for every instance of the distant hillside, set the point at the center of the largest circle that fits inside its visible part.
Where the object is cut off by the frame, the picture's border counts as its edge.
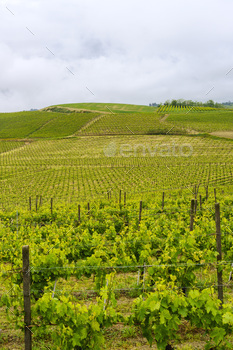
(109, 107)
(72, 120)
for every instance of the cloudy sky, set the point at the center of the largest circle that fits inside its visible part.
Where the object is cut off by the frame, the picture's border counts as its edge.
(129, 51)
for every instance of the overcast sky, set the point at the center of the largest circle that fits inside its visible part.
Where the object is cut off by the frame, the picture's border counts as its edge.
(129, 51)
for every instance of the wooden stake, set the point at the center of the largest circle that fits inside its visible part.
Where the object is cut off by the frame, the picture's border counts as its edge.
(27, 299)
(124, 198)
(200, 203)
(215, 196)
(219, 250)
(192, 214)
(30, 203)
(163, 200)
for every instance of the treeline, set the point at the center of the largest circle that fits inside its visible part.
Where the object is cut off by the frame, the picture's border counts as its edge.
(229, 103)
(187, 103)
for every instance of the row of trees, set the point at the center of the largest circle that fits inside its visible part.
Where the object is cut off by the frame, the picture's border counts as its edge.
(184, 103)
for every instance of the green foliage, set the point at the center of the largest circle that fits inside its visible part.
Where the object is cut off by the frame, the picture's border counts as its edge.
(160, 315)
(77, 326)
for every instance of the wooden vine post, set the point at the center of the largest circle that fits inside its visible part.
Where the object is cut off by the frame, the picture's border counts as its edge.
(219, 250)
(192, 214)
(163, 200)
(27, 298)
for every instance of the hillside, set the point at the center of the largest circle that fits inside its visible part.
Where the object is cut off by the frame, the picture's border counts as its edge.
(113, 119)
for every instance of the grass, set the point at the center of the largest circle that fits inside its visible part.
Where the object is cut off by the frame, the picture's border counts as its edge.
(108, 107)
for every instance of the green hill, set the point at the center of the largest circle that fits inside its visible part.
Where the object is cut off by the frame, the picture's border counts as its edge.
(113, 119)
(109, 107)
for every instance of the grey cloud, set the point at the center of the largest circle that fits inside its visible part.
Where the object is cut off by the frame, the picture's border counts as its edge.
(124, 51)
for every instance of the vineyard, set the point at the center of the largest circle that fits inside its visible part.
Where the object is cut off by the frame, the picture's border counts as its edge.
(81, 168)
(116, 229)
(124, 268)
(186, 109)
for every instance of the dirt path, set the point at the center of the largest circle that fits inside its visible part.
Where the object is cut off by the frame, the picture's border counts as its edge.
(226, 134)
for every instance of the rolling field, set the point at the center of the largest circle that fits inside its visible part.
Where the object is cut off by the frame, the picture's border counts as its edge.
(118, 260)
